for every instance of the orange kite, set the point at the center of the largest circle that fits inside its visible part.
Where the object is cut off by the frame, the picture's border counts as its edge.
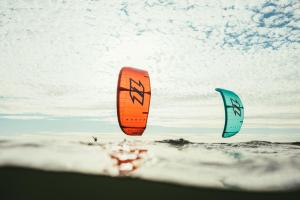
(133, 100)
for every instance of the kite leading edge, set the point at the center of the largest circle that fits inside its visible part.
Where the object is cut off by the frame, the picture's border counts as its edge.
(133, 100)
(234, 112)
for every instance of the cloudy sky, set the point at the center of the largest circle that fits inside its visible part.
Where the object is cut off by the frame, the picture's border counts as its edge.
(60, 59)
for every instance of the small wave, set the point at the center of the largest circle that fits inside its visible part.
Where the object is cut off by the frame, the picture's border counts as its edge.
(178, 143)
(3, 141)
(291, 143)
(250, 144)
(32, 145)
(257, 144)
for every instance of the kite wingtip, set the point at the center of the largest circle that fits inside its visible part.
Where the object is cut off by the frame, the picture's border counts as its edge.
(219, 89)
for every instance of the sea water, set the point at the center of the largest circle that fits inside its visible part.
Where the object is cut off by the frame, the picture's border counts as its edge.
(242, 162)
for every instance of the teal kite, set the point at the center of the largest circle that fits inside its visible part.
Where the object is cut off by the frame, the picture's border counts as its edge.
(234, 112)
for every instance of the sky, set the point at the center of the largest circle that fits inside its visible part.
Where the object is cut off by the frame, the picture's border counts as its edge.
(60, 59)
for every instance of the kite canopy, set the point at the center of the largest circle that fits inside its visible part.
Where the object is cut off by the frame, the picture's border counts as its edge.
(234, 112)
(133, 100)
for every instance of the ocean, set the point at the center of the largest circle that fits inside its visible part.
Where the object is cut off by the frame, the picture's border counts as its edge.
(255, 162)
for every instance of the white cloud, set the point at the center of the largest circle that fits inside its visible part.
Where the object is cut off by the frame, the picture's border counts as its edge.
(64, 58)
